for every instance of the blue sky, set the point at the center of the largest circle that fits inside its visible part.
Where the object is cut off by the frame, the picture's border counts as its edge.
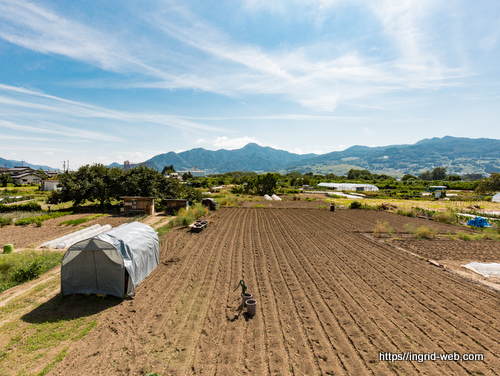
(108, 81)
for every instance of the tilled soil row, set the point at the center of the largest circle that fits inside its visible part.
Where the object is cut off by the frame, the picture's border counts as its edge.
(330, 300)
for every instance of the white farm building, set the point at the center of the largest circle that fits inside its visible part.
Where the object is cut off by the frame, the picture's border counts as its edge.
(350, 187)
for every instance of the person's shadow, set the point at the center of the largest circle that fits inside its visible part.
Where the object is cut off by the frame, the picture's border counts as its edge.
(238, 313)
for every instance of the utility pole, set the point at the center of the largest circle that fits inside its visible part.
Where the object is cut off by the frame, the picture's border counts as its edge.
(64, 166)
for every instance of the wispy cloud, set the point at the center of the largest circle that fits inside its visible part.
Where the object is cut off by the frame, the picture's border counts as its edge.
(55, 129)
(35, 100)
(224, 65)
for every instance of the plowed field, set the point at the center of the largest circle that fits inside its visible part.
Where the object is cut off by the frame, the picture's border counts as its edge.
(330, 299)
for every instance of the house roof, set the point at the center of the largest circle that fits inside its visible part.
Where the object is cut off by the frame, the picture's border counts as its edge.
(24, 175)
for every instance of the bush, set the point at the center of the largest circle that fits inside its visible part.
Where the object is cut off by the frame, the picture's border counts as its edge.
(423, 233)
(407, 212)
(19, 267)
(5, 221)
(30, 270)
(382, 228)
(355, 205)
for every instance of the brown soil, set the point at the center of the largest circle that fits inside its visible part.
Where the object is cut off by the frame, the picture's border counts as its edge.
(31, 236)
(330, 299)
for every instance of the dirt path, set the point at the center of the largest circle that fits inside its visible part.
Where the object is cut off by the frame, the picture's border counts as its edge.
(330, 300)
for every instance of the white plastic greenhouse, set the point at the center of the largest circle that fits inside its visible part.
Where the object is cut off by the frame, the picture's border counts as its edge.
(350, 187)
(112, 263)
(496, 198)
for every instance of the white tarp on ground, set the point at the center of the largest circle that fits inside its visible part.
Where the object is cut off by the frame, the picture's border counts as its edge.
(268, 198)
(277, 198)
(496, 198)
(487, 270)
(112, 263)
(350, 187)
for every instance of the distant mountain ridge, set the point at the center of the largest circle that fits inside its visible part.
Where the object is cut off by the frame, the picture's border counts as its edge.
(251, 157)
(458, 155)
(11, 163)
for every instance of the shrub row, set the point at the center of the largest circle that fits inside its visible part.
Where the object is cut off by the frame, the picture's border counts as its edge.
(40, 218)
(30, 206)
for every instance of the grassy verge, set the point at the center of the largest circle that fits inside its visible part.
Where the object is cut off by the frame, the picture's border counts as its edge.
(184, 218)
(226, 199)
(79, 221)
(16, 268)
(40, 218)
(36, 336)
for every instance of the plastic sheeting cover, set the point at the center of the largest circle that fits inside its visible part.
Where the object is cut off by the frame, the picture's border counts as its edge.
(97, 264)
(496, 198)
(478, 222)
(268, 198)
(487, 270)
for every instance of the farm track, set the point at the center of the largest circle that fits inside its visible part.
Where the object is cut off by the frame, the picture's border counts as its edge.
(329, 300)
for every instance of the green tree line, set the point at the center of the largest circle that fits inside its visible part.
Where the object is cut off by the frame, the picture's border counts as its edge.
(103, 184)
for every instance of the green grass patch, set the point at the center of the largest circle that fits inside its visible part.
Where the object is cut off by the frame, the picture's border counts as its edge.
(40, 218)
(54, 324)
(79, 221)
(226, 199)
(464, 236)
(259, 206)
(16, 268)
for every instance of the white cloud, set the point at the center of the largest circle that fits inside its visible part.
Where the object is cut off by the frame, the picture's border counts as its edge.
(49, 153)
(137, 156)
(201, 141)
(234, 143)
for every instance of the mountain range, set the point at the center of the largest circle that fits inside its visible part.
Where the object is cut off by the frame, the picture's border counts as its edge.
(458, 155)
(9, 163)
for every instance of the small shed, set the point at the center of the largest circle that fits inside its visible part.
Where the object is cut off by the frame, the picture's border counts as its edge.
(138, 205)
(210, 203)
(112, 263)
(176, 204)
(50, 185)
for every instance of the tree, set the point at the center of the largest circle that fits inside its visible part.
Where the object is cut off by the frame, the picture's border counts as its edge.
(142, 181)
(491, 184)
(453, 178)
(409, 177)
(354, 174)
(168, 169)
(42, 174)
(187, 175)
(263, 184)
(89, 183)
(5, 179)
(439, 173)
(426, 175)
